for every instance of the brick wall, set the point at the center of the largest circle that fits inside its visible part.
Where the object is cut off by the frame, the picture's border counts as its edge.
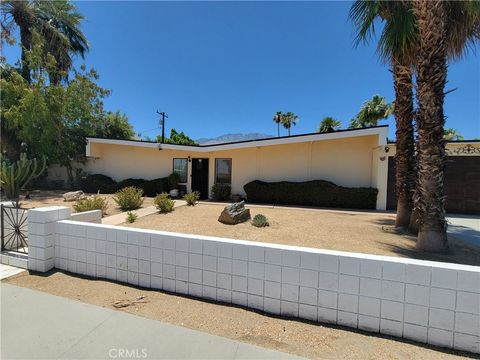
(429, 302)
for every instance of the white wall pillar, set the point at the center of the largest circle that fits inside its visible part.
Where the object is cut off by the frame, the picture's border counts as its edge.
(41, 236)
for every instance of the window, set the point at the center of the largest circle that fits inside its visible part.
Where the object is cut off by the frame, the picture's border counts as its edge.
(180, 168)
(223, 171)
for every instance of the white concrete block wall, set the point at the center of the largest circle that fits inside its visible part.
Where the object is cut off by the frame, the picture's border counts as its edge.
(94, 216)
(429, 302)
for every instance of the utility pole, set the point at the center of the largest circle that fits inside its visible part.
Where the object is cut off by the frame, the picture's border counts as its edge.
(162, 123)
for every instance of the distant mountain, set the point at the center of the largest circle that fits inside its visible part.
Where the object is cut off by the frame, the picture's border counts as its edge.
(232, 138)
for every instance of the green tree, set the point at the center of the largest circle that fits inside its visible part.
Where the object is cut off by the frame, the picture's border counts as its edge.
(374, 110)
(57, 21)
(329, 124)
(277, 119)
(289, 119)
(452, 135)
(116, 126)
(178, 138)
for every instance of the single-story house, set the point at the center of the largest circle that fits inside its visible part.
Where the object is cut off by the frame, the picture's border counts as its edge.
(350, 158)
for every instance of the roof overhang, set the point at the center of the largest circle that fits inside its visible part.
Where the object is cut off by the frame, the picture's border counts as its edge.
(381, 131)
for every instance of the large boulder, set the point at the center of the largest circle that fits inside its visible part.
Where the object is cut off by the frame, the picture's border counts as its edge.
(73, 195)
(234, 214)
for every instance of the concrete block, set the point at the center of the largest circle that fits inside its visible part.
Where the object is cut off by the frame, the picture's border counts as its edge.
(195, 261)
(371, 268)
(195, 276)
(271, 306)
(417, 294)
(209, 263)
(291, 258)
(92, 258)
(255, 286)
(224, 295)
(468, 302)
(195, 246)
(224, 265)
(111, 248)
(210, 248)
(181, 287)
(444, 278)
(273, 256)
(418, 274)
(468, 281)
(308, 312)
(101, 271)
(224, 281)
(442, 298)
(143, 280)
(290, 292)
(347, 319)
(415, 332)
(144, 253)
(111, 261)
(209, 292)
(168, 244)
(156, 282)
(369, 306)
(392, 310)
(255, 302)
(169, 285)
(132, 251)
(239, 298)
(81, 243)
(156, 255)
(272, 289)
(122, 276)
(101, 246)
(273, 272)
(289, 308)
(392, 290)
(327, 299)
(349, 265)
(195, 290)
(225, 251)
(329, 263)
(310, 261)
(181, 244)
(308, 296)
(416, 314)
(466, 342)
(72, 267)
(181, 258)
(441, 319)
(326, 315)
(393, 271)
(439, 337)
(111, 274)
(348, 303)
(290, 275)
(309, 278)
(122, 263)
(181, 273)
(328, 281)
(121, 236)
(168, 272)
(239, 284)
(209, 278)
(240, 252)
(133, 278)
(390, 327)
(467, 323)
(369, 323)
(348, 284)
(370, 287)
(256, 270)
(168, 257)
(101, 258)
(256, 253)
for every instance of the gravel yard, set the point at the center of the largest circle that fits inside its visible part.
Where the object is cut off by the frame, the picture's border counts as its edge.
(326, 229)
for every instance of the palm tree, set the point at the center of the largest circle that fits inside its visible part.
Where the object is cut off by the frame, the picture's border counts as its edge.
(288, 120)
(277, 118)
(396, 46)
(329, 124)
(374, 110)
(452, 135)
(57, 22)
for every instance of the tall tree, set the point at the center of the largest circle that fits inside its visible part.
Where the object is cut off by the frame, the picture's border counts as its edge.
(277, 119)
(116, 126)
(289, 120)
(57, 21)
(329, 124)
(374, 110)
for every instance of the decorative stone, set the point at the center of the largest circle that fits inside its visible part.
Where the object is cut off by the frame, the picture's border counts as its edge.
(73, 195)
(234, 214)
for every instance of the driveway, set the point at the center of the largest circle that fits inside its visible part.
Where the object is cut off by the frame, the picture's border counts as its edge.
(465, 227)
(37, 325)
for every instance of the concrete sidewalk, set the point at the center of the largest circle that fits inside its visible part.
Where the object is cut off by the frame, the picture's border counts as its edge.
(465, 228)
(37, 325)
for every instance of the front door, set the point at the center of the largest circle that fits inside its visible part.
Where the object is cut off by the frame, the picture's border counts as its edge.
(200, 177)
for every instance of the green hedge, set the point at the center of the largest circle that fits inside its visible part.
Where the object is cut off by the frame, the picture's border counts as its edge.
(106, 185)
(311, 193)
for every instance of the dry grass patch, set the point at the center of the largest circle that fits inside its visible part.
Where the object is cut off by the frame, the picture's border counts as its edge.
(325, 229)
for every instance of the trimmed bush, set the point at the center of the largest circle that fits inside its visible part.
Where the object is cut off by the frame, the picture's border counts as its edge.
(311, 193)
(260, 220)
(98, 183)
(152, 188)
(221, 192)
(164, 203)
(192, 198)
(138, 183)
(129, 198)
(91, 203)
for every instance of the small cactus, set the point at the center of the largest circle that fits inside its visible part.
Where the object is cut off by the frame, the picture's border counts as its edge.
(260, 220)
(15, 176)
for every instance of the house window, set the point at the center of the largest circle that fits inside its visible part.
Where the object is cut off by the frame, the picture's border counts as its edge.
(180, 167)
(223, 171)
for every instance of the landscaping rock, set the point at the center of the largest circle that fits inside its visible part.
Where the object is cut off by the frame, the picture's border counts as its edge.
(73, 195)
(234, 214)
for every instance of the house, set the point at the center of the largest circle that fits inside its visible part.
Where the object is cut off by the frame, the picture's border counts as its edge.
(351, 158)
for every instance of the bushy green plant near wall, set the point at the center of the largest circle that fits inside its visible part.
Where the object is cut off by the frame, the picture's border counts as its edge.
(311, 193)
(192, 198)
(221, 192)
(98, 183)
(106, 185)
(163, 203)
(91, 203)
(129, 198)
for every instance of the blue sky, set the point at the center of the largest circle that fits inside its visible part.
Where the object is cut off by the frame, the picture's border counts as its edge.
(227, 67)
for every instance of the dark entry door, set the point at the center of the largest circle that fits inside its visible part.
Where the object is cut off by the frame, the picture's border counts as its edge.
(200, 177)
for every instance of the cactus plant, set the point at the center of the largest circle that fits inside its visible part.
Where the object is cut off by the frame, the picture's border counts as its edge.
(15, 176)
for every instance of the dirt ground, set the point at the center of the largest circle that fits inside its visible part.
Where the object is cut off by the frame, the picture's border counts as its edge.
(54, 197)
(326, 229)
(308, 339)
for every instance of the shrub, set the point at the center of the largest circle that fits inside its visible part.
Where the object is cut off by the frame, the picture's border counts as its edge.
(98, 183)
(260, 220)
(154, 187)
(138, 183)
(221, 192)
(312, 193)
(164, 203)
(192, 198)
(131, 217)
(129, 198)
(173, 180)
(91, 203)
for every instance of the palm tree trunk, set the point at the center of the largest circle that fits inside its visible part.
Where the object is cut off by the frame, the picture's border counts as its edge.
(278, 129)
(431, 78)
(24, 19)
(404, 158)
